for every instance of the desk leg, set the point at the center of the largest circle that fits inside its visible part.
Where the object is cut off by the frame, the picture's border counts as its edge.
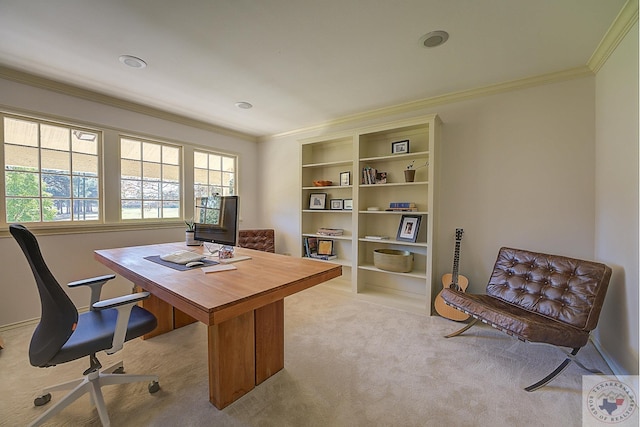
(162, 311)
(269, 340)
(231, 359)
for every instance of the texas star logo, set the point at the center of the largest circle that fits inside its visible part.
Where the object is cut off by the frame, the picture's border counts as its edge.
(611, 401)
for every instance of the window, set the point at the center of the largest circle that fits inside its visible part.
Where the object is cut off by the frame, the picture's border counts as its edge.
(55, 176)
(51, 171)
(149, 179)
(213, 174)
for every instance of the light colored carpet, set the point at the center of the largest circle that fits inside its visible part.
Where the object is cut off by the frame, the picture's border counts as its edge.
(347, 363)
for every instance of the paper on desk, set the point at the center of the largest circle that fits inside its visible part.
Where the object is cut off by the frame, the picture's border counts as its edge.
(218, 267)
(234, 259)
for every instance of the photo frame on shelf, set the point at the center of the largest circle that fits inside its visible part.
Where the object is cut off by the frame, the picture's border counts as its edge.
(347, 204)
(325, 247)
(336, 204)
(345, 178)
(400, 147)
(409, 227)
(317, 200)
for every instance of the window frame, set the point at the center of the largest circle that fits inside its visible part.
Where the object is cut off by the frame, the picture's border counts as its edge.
(71, 127)
(181, 184)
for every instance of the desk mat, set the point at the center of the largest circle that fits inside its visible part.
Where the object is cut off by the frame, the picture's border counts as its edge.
(179, 267)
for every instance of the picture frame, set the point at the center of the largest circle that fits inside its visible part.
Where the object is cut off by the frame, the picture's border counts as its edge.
(325, 247)
(345, 178)
(409, 227)
(336, 204)
(317, 201)
(381, 177)
(400, 147)
(347, 204)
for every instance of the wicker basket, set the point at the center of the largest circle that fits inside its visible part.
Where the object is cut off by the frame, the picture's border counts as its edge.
(393, 260)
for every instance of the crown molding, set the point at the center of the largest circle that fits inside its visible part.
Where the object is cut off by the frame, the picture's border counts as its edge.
(494, 89)
(55, 86)
(625, 20)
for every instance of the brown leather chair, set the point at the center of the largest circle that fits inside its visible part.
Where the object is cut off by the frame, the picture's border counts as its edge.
(539, 298)
(262, 239)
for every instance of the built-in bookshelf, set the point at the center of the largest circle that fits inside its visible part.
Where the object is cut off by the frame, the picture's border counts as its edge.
(375, 159)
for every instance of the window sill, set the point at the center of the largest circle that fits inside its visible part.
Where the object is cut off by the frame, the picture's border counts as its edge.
(49, 230)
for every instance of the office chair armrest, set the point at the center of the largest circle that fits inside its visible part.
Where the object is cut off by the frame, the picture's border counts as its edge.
(124, 305)
(95, 283)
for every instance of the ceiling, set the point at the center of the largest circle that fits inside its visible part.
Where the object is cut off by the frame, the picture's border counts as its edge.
(300, 63)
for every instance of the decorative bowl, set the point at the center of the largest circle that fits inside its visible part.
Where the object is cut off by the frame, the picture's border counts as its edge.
(322, 183)
(393, 260)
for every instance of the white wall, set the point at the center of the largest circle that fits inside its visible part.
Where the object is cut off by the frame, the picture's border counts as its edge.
(518, 169)
(616, 224)
(70, 257)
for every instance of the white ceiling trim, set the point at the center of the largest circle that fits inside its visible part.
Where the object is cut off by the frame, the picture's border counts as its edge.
(625, 20)
(559, 76)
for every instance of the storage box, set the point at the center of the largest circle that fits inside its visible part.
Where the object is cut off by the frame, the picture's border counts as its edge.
(393, 260)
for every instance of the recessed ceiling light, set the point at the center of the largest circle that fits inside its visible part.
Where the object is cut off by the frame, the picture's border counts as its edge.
(434, 38)
(132, 61)
(244, 105)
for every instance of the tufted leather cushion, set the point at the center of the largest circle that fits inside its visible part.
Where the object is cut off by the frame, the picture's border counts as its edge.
(262, 240)
(539, 297)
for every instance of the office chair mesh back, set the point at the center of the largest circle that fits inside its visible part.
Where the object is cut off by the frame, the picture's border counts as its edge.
(59, 315)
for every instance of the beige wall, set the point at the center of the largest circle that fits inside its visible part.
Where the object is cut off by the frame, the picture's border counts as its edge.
(518, 169)
(616, 227)
(19, 301)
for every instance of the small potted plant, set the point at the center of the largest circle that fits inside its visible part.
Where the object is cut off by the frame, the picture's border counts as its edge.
(410, 172)
(190, 232)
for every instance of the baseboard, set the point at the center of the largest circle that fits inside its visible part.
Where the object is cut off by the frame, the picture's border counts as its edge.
(20, 324)
(30, 322)
(610, 361)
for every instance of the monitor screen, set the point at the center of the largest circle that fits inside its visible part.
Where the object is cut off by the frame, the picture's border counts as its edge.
(217, 220)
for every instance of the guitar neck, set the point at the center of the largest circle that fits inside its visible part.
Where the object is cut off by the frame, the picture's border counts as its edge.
(456, 263)
(456, 259)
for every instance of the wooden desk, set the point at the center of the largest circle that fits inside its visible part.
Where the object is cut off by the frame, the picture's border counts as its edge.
(243, 308)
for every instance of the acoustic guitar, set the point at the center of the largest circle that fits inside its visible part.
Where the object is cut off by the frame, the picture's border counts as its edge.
(455, 281)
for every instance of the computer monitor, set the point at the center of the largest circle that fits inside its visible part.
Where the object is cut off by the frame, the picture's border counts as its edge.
(217, 220)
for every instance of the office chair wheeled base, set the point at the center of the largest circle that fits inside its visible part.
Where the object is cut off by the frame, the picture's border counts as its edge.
(91, 383)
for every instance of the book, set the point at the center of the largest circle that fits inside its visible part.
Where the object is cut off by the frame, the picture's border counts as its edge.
(401, 209)
(377, 237)
(368, 175)
(402, 205)
(310, 245)
(323, 257)
(330, 231)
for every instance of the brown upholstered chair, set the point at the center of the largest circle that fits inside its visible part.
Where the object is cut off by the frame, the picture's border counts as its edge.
(539, 298)
(262, 240)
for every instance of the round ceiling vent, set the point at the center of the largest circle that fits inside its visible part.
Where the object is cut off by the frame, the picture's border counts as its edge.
(132, 61)
(434, 38)
(244, 105)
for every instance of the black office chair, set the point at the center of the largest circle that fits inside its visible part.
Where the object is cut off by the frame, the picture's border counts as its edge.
(62, 335)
